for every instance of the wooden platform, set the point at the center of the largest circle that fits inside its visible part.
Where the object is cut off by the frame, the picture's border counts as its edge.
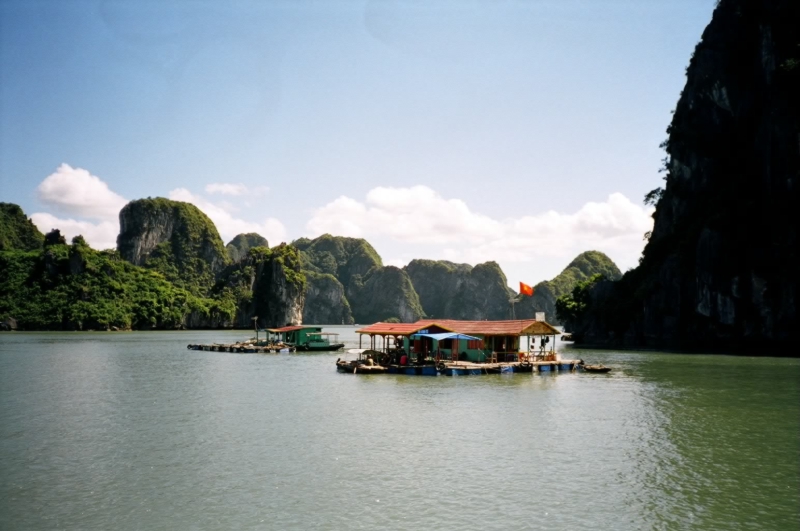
(464, 368)
(242, 347)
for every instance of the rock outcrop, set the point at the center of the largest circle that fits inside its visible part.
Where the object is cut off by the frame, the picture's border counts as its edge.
(386, 293)
(173, 238)
(73, 287)
(484, 294)
(720, 268)
(437, 282)
(17, 232)
(267, 284)
(547, 292)
(326, 302)
(339, 256)
(460, 291)
(237, 248)
(372, 292)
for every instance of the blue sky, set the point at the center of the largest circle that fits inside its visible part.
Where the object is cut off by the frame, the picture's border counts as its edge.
(519, 131)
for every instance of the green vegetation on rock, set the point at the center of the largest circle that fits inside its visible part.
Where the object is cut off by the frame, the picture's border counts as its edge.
(73, 287)
(585, 265)
(170, 272)
(339, 256)
(173, 238)
(484, 294)
(574, 305)
(268, 284)
(325, 300)
(237, 248)
(385, 293)
(437, 282)
(17, 232)
(460, 291)
(545, 294)
(371, 292)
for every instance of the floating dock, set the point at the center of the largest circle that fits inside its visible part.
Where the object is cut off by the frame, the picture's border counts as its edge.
(466, 368)
(242, 347)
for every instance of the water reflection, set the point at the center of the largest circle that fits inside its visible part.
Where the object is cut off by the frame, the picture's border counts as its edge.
(132, 431)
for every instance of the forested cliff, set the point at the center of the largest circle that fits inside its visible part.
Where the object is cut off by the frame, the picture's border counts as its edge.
(171, 271)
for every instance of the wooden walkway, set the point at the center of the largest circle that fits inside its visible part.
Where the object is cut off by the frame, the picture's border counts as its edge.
(242, 347)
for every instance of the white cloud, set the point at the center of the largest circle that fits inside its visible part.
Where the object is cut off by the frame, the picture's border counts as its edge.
(227, 225)
(236, 189)
(76, 192)
(414, 215)
(101, 235)
(419, 215)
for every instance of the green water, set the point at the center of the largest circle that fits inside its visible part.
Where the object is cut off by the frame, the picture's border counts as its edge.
(133, 431)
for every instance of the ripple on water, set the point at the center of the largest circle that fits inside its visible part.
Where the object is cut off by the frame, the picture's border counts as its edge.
(132, 431)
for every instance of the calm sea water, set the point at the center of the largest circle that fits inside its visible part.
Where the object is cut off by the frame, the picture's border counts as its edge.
(133, 431)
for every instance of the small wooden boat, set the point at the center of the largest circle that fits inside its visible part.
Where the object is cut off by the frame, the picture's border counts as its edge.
(357, 367)
(595, 368)
(364, 364)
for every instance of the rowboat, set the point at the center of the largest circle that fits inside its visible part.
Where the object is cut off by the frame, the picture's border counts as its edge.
(595, 368)
(363, 364)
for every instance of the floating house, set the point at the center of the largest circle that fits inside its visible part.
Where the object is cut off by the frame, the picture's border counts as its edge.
(292, 335)
(305, 337)
(471, 341)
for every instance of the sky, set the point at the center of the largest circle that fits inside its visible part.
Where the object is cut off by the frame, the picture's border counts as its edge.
(523, 132)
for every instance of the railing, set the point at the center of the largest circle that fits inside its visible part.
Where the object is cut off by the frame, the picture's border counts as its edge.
(503, 357)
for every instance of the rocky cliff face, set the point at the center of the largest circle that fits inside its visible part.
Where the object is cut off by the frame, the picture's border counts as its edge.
(237, 248)
(720, 269)
(386, 293)
(437, 282)
(17, 232)
(460, 291)
(267, 284)
(484, 294)
(545, 293)
(174, 238)
(326, 302)
(339, 256)
(373, 292)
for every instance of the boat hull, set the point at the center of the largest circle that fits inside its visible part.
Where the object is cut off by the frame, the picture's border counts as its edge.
(359, 368)
(413, 370)
(320, 348)
(596, 368)
(468, 369)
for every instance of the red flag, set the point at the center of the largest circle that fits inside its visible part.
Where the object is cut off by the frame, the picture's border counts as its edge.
(525, 289)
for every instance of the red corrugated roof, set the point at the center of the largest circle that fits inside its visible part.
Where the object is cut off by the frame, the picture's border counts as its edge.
(389, 329)
(399, 329)
(489, 328)
(290, 328)
(486, 328)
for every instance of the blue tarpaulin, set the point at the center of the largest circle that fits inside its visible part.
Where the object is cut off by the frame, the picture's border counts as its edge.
(446, 335)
